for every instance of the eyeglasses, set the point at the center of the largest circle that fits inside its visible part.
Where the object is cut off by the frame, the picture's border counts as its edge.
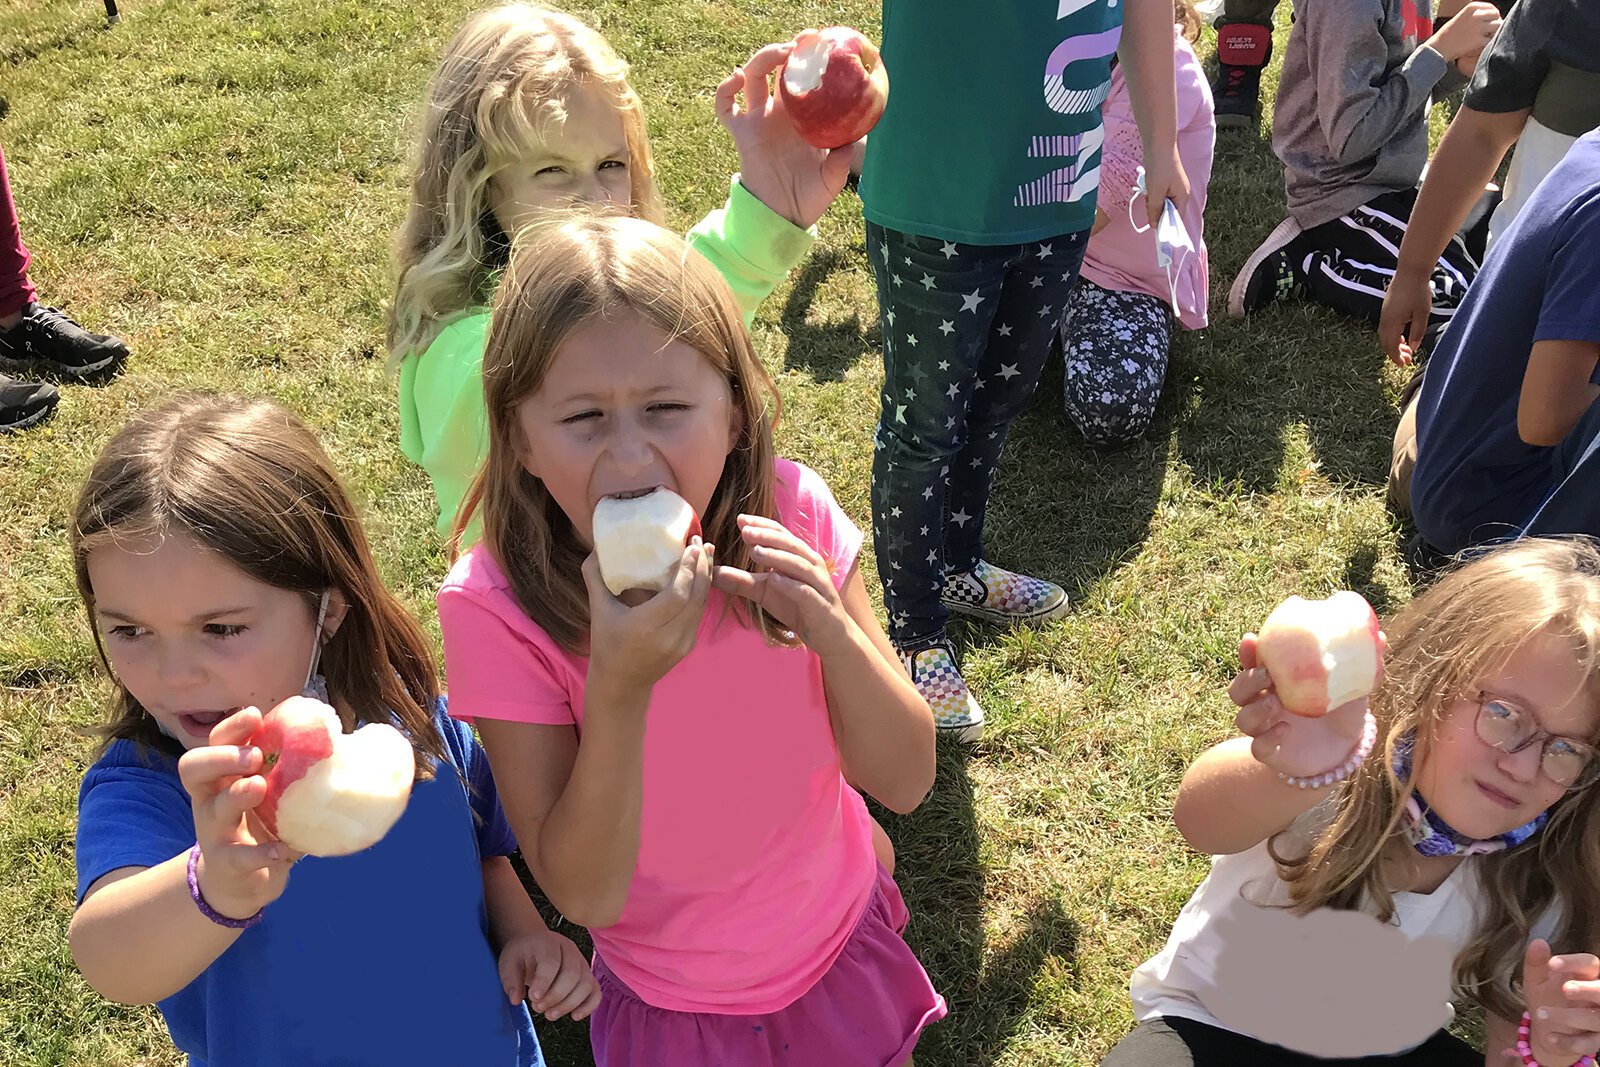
(1568, 763)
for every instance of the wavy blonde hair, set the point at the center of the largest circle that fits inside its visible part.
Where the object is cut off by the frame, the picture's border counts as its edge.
(564, 275)
(1442, 647)
(248, 480)
(502, 79)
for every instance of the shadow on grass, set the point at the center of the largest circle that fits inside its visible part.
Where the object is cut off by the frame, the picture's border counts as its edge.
(826, 351)
(941, 876)
(1254, 381)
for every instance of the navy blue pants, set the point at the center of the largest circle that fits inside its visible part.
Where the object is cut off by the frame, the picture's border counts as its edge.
(966, 331)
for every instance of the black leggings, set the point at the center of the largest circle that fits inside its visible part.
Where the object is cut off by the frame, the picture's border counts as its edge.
(1171, 1041)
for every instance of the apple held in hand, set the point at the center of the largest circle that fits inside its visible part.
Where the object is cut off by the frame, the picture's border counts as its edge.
(1320, 653)
(330, 793)
(639, 539)
(834, 86)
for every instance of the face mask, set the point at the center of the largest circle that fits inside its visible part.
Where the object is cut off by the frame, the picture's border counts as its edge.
(1172, 239)
(315, 687)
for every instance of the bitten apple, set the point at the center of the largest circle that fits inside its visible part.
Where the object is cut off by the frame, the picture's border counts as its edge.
(330, 793)
(1320, 653)
(639, 539)
(834, 86)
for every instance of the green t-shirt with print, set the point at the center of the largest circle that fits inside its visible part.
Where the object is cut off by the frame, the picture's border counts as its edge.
(992, 133)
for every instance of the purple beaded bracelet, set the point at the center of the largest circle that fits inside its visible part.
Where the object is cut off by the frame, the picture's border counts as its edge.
(1525, 1050)
(1363, 749)
(200, 901)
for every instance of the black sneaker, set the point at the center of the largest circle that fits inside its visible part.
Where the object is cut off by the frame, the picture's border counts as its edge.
(1243, 49)
(48, 340)
(24, 403)
(1267, 275)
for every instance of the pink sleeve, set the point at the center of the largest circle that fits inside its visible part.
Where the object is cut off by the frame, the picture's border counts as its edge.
(807, 507)
(495, 667)
(1122, 153)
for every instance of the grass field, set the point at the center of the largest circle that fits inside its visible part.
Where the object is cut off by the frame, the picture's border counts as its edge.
(217, 181)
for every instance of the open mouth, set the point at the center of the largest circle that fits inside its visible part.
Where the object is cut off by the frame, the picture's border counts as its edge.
(199, 723)
(633, 494)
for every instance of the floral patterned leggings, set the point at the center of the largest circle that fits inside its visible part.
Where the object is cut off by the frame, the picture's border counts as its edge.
(1115, 345)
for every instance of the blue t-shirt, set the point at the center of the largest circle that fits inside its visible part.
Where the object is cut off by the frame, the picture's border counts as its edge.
(379, 958)
(992, 132)
(1475, 479)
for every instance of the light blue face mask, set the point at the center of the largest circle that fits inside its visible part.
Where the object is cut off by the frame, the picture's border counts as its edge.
(1172, 239)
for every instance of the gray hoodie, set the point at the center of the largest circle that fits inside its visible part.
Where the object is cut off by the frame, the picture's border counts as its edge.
(1351, 118)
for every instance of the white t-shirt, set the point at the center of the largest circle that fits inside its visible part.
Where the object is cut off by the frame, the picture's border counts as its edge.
(1235, 961)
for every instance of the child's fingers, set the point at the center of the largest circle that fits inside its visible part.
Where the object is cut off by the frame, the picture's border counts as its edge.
(728, 97)
(237, 728)
(205, 771)
(757, 69)
(1265, 745)
(1577, 968)
(561, 984)
(1535, 969)
(590, 1002)
(568, 1001)
(1249, 686)
(1576, 1024)
(774, 535)
(1255, 717)
(1247, 653)
(803, 572)
(512, 978)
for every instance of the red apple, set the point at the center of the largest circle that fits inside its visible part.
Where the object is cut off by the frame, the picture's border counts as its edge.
(639, 539)
(1320, 653)
(330, 793)
(834, 86)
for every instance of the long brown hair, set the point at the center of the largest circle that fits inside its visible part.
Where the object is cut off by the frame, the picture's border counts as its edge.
(562, 276)
(248, 480)
(501, 78)
(1442, 646)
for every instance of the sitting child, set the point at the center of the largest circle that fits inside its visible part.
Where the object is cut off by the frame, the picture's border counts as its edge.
(1351, 127)
(1501, 438)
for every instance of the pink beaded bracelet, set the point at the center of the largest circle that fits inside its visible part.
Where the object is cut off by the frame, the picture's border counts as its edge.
(1369, 737)
(1526, 1051)
(200, 901)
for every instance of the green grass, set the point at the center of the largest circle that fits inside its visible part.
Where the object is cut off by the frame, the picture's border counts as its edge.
(217, 181)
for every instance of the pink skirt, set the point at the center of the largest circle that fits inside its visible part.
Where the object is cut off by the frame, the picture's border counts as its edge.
(867, 1011)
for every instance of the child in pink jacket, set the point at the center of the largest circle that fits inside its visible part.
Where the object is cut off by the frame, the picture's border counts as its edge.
(1117, 332)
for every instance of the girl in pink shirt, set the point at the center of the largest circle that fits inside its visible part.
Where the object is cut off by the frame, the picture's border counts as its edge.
(674, 763)
(1117, 332)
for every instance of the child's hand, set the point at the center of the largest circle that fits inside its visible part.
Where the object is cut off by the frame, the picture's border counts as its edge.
(1285, 742)
(1468, 31)
(796, 586)
(549, 972)
(635, 645)
(1164, 179)
(1406, 307)
(242, 868)
(779, 168)
(1563, 997)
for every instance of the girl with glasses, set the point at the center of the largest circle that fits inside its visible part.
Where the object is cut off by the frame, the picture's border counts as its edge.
(1432, 844)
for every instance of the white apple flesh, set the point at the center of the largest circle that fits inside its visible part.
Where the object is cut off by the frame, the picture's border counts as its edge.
(1320, 653)
(834, 86)
(330, 793)
(640, 539)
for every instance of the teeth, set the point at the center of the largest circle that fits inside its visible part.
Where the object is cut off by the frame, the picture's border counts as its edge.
(633, 494)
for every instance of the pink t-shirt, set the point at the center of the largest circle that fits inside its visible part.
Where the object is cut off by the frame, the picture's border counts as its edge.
(755, 856)
(1122, 259)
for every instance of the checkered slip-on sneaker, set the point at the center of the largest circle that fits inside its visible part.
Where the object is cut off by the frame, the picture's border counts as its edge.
(1003, 596)
(934, 672)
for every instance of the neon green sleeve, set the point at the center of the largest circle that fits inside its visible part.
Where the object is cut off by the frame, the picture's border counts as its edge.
(444, 427)
(753, 247)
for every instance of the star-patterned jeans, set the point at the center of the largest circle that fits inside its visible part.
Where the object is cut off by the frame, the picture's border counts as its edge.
(966, 332)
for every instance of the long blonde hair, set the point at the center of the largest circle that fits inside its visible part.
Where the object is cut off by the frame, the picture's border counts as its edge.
(563, 275)
(502, 78)
(248, 480)
(1441, 648)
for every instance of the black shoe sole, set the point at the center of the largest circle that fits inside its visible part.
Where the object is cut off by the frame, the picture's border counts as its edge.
(26, 421)
(49, 367)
